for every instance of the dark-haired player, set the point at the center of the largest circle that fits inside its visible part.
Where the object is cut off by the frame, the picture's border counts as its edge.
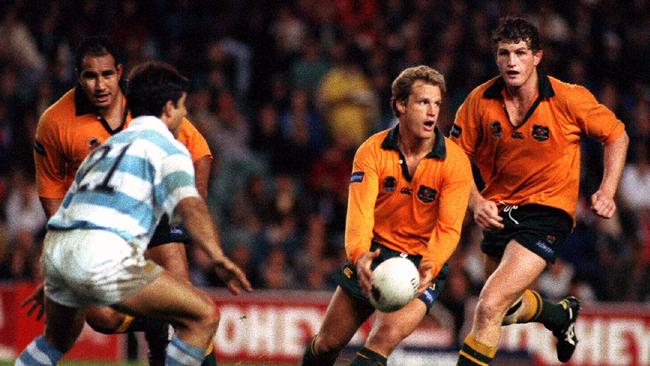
(522, 129)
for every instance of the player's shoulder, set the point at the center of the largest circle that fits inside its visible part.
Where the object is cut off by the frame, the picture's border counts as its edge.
(188, 128)
(479, 92)
(454, 152)
(61, 110)
(567, 89)
(567, 95)
(376, 140)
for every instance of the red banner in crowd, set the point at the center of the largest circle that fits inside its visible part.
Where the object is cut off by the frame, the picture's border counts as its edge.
(17, 330)
(276, 326)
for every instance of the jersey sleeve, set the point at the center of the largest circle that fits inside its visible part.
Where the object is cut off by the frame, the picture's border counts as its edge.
(194, 141)
(177, 173)
(594, 118)
(465, 131)
(454, 197)
(49, 159)
(363, 189)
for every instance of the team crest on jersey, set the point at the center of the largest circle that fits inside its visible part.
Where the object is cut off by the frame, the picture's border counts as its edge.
(426, 194)
(93, 143)
(455, 130)
(496, 128)
(390, 183)
(540, 133)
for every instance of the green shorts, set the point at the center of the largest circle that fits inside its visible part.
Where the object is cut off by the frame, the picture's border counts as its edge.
(541, 229)
(347, 276)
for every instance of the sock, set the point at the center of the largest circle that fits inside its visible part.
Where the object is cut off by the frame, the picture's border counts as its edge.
(127, 324)
(512, 315)
(474, 353)
(156, 332)
(39, 353)
(311, 359)
(210, 356)
(553, 316)
(368, 357)
(180, 353)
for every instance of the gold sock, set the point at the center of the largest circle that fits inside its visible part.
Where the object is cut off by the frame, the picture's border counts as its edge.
(535, 306)
(474, 352)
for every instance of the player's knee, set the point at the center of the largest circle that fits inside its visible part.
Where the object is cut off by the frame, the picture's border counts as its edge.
(209, 316)
(491, 307)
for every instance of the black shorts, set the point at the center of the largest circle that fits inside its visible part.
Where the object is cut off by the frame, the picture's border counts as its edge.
(541, 229)
(166, 233)
(347, 276)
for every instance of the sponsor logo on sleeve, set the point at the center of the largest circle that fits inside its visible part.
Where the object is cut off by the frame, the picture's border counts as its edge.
(357, 177)
(39, 148)
(455, 130)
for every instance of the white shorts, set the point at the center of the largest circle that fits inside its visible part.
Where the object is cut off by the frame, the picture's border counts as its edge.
(93, 267)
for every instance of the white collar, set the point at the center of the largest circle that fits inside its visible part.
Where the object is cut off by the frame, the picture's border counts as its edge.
(151, 123)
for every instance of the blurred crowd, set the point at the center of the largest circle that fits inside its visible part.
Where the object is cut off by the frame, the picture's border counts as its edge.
(284, 92)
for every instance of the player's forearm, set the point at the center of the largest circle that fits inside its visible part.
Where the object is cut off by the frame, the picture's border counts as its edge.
(202, 175)
(475, 197)
(50, 205)
(614, 162)
(198, 223)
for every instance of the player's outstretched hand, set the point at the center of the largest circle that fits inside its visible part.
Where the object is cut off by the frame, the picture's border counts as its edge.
(603, 205)
(36, 301)
(364, 273)
(426, 277)
(486, 215)
(232, 275)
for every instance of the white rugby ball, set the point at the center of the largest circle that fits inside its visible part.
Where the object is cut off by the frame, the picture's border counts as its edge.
(394, 285)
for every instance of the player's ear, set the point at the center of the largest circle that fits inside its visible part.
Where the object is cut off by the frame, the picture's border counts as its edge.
(401, 106)
(537, 57)
(168, 109)
(119, 69)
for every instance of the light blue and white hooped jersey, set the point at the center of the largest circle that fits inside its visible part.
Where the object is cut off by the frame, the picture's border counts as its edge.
(128, 183)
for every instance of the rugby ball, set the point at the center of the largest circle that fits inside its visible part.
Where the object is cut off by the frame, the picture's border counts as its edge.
(394, 284)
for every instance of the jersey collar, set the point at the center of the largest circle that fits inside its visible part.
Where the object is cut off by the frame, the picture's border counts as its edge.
(544, 85)
(438, 151)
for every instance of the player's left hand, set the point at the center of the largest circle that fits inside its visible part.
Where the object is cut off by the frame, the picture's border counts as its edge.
(426, 277)
(603, 205)
(232, 275)
(36, 300)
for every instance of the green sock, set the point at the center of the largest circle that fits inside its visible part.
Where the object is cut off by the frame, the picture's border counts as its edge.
(311, 359)
(210, 359)
(553, 316)
(368, 357)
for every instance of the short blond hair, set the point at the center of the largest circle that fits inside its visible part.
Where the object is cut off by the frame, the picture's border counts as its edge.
(403, 83)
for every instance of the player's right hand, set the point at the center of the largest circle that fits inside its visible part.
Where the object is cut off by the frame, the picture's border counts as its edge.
(37, 301)
(232, 275)
(486, 215)
(364, 273)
